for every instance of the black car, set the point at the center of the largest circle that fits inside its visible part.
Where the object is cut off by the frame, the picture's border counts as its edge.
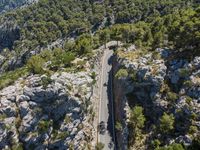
(102, 127)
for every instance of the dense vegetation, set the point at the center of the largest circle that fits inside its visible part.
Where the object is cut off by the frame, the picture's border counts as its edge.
(49, 20)
(179, 30)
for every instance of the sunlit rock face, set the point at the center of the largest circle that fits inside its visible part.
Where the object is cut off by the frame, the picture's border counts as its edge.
(47, 112)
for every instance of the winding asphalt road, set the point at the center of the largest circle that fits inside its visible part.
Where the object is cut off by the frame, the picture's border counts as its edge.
(106, 112)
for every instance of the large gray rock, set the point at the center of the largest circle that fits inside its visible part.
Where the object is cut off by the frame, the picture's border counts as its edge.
(24, 108)
(186, 140)
(1, 59)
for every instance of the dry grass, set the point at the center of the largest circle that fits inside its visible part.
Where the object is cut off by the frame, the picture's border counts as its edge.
(154, 70)
(140, 142)
(132, 55)
(197, 80)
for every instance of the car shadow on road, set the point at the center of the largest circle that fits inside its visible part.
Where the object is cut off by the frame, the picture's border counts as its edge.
(110, 123)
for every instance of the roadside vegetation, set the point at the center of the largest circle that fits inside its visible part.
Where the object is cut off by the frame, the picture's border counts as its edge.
(99, 146)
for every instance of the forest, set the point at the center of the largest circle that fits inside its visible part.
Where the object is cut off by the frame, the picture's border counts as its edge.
(48, 20)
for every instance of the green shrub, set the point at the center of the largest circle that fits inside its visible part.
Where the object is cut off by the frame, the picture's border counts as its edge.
(165, 88)
(62, 135)
(46, 55)
(83, 45)
(71, 146)
(43, 126)
(69, 45)
(156, 55)
(35, 64)
(184, 72)
(194, 116)
(188, 83)
(80, 127)
(99, 146)
(166, 123)
(193, 129)
(80, 64)
(46, 81)
(10, 77)
(174, 146)
(172, 96)
(67, 58)
(122, 73)
(118, 126)
(188, 99)
(62, 57)
(137, 120)
(17, 146)
(67, 119)
(155, 144)
(2, 117)
(18, 122)
(93, 75)
(133, 75)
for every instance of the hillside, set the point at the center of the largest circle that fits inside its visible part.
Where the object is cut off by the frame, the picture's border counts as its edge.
(47, 22)
(51, 74)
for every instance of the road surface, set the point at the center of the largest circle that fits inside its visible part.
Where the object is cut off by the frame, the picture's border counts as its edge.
(106, 102)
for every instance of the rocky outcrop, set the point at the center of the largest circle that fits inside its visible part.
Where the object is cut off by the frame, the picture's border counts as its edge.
(159, 85)
(7, 5)
(42, 112)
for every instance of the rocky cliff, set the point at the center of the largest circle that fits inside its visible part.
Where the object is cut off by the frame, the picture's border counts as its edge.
(160, 84)
(55, 110)
(6, 5)
(42, 112)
